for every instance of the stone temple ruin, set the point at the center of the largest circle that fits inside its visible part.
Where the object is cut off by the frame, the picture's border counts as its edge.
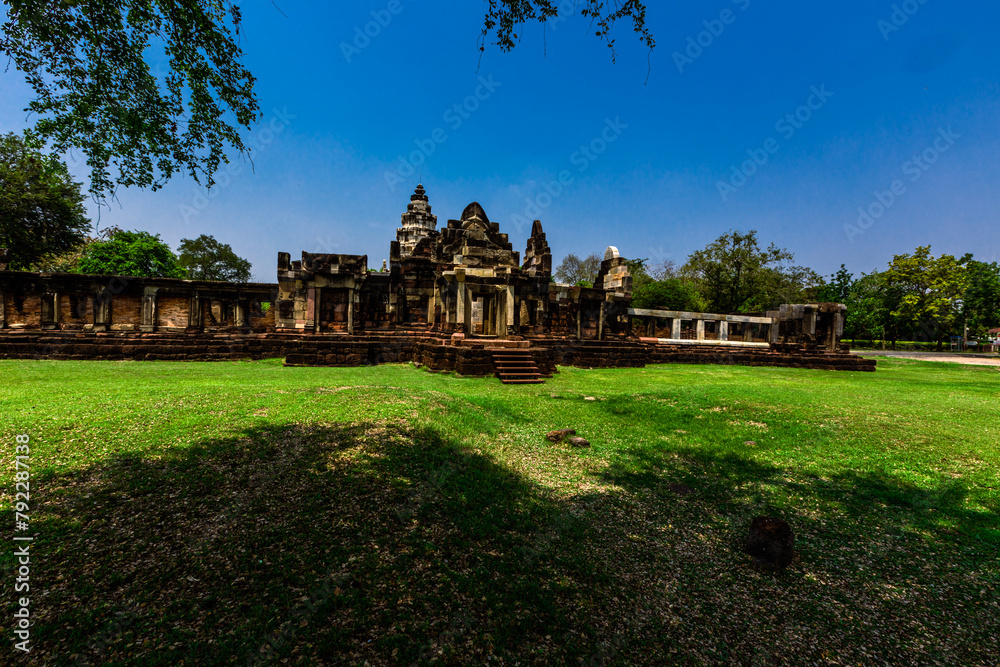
(456, 298)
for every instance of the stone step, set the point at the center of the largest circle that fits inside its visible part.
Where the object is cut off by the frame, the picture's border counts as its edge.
(515, 365)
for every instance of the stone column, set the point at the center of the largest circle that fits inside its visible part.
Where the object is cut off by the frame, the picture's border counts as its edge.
(467, 321)
(3, 310)
(809, 321)
(723, 330)
(241, 316)
(837, 329)
(315, 296)
(600, 321)
(148, 322)
(194, 312)
(460, 308)
(700, 329)
(509, 313)
(675, 328)
(102, 310)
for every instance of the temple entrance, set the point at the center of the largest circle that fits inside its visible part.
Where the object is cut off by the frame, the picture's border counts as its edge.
(486, 311)
(485, 315)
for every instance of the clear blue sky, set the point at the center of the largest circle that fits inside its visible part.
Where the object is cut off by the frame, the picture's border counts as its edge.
(882, 94)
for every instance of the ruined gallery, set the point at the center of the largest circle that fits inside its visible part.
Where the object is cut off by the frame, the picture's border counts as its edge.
(456, 298)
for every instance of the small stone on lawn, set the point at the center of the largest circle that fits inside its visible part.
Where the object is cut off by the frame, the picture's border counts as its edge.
(556, 436)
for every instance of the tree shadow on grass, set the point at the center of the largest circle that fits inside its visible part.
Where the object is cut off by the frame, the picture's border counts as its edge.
(885, 569)
(375, 541)
(317, 543)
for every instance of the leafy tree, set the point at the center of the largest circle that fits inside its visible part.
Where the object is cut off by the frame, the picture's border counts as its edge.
(932, 290)
(506, 19)
(573, 270)
(41, 208)
(664, 269)
(87, 64)
(838, 290)
(981, 301)
(870, 303)
(735, 275)
(131, 254)
(669, 294)
(206, 259)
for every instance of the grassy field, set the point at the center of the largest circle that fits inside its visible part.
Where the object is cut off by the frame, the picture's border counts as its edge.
(247, 513)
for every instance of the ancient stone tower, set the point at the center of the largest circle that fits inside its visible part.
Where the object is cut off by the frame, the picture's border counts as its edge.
(418, 222)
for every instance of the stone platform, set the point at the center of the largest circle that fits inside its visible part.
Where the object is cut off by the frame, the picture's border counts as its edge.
(437, 353)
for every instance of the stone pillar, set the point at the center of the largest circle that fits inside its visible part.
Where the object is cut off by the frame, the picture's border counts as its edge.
(460, 308)
(675, 328)
(600, 321)
(579, 325)
(431, 305)
(509, 313)
(350, 312)
(837, 329)
(467, 320)
(194, 312)
(809, 321)
(723, 330)
(241, 316)
(3, 310)
(315, 294)
(148, 322)
(700, 329)
(747, 332)
(102, 310)
(773, 330)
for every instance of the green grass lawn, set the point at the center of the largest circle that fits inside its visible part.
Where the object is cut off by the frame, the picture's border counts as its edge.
(248, 513)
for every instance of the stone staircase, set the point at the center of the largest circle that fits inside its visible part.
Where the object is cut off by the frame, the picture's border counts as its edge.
(515, 365)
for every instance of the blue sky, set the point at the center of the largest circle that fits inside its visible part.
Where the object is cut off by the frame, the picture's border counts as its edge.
(782, 117)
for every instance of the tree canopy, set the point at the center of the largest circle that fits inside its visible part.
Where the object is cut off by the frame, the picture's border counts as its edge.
(573, 270)
(132, 253)
(981, 301)
(204, 258)
(932, 289)
(89, 66)
(41, 208)
(146, 89)
(736, 275)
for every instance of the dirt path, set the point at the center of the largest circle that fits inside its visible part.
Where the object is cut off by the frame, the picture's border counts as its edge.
(953, 357)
